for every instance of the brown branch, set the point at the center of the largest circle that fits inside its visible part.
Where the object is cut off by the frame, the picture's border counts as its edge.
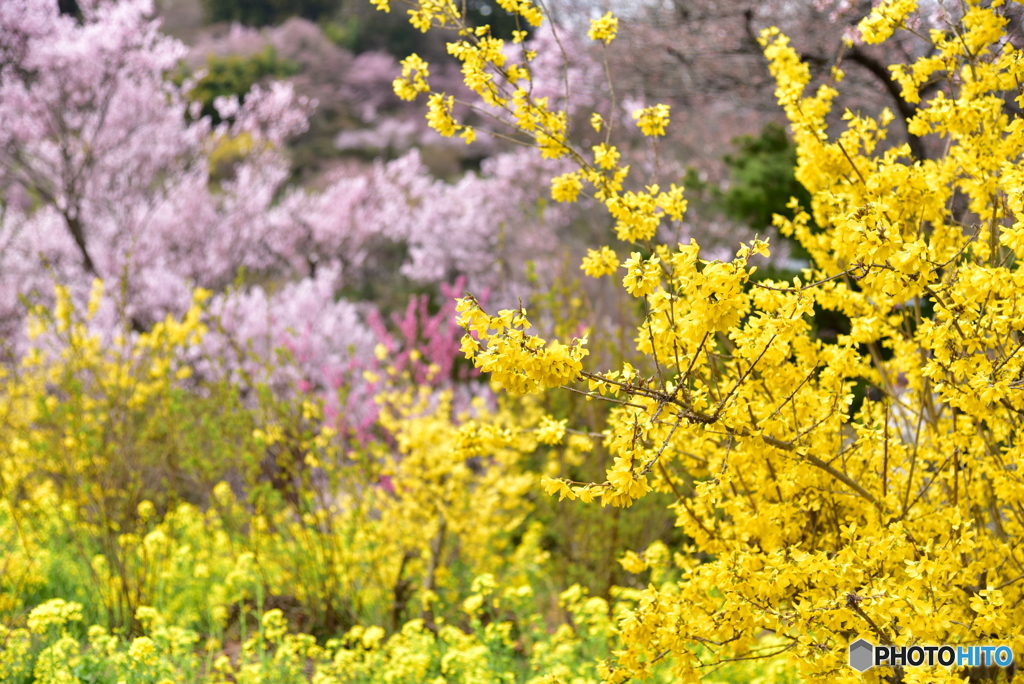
(907, 110)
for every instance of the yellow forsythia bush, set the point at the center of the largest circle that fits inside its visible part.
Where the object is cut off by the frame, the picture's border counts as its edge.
(813, 517)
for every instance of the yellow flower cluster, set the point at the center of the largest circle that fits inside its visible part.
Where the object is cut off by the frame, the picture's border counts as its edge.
(606, 156)
(652, 120)
(884, 19)
(600, 262)
(430, 13)
(567, 187)
(639, 213)
(414, 78)
(642, 275)
(604, 28)
(439, 114)
(518, 362)
(551, 431)
(53, 613)
(529, 11)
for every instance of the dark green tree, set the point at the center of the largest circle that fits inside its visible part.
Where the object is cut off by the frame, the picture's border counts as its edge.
(235, 75)
(761, 180)
(267, 12)
(360, 28)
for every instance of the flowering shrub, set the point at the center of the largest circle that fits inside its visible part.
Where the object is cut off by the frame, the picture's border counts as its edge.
(820, 520)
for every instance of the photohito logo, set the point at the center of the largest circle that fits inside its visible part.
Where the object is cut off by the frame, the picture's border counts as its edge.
(864, 656)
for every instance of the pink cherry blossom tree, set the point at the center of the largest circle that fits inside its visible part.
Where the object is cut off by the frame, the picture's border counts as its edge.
(107, 171)
(102, 174)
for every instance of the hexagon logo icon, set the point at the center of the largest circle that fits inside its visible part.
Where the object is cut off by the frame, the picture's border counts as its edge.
(862, 655)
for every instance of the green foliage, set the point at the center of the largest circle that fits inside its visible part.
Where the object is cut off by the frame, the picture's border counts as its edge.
(502, 22)
(234, 75)
(361, 29)
(267, 12)
(761, 178)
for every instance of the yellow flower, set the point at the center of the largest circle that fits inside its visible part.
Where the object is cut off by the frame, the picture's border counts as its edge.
(652, 120)
(633, 563)
(222, 493)
(473, 603)
(413, 80)
(551, 431)
(642, 277)
(879, 25)
(606, 156)
(554, 486)
(148, 617)
(146, 509)
(604, 28)
(275, 626)
(672, 202)
(223, 664)
(567, 187)
(439, 114)
(599, 263)
(53, 613)
(95, 297)
(372, 637)
(143, 650)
